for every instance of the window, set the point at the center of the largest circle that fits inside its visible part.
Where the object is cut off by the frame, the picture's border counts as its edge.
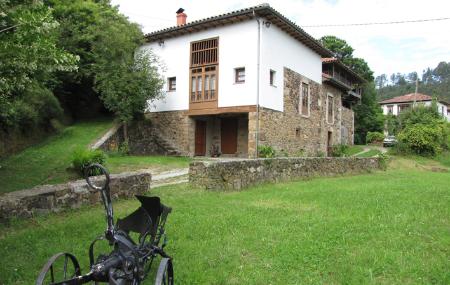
(204, 60)
(390, 109)
(297, 132)
(172, 81)
(403, 107)
(239, 75)
(272, 77)
(304, 99)
(330, 109)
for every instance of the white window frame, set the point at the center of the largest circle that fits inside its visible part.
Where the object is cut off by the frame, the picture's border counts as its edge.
(169, 85)
(274, 77)
(329, 95)
(300, 103)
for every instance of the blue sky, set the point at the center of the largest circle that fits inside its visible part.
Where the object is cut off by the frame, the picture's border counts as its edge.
(387, 48)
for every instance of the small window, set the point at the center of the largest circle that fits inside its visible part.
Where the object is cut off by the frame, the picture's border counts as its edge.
(172, 83)
(390, 109)
(239, 75)
(304, 99)
(297, 132)
(330, 109)
(272, 77)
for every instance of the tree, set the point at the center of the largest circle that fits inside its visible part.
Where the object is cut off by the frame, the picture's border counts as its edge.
(339, 47)
(30, 58)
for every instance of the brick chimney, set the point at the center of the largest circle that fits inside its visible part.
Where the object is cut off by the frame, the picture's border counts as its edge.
(181, 17)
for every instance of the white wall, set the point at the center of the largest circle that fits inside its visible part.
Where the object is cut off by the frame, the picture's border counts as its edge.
(442, 109)
(237, 48)
(279, 50)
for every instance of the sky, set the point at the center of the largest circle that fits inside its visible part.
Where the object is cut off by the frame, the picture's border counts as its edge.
(387, 48)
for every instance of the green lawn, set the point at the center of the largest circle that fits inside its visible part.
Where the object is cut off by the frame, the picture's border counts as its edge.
(50, 161)
(370, 153)
(47, 162)
(354, 149)
(388, 227)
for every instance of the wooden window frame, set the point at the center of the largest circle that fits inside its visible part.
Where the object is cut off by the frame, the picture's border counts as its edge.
(204, 68)
(272, 77)
(300, 105)
(170, 85)
(236, 75)
(330, 96)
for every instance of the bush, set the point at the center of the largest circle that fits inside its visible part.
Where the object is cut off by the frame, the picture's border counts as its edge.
(423, 139)
(82, 158)
(373, 137)
(266, 151)
(339, 150)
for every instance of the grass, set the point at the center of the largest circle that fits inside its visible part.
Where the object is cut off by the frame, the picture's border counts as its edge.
(47, 162)
(370, 153)
(354, 149)
(50, 161)
(382, 228)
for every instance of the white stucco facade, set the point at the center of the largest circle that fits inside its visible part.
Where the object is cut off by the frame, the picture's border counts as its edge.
(395, 108)
(238, 47)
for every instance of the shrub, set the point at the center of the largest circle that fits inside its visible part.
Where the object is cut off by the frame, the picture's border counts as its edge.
(82, 158)
(266, 151)
(339, 150)
(422, 139)
(374, 137)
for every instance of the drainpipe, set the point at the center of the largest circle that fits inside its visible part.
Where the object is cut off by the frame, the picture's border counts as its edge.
(258, 67)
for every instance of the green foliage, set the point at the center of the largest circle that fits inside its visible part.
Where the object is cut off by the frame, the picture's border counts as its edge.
(384, 159)
(374, 137)
(339, 150)
(392, 124)
(124, 148)
(266, 151)
(82, 158)
(30, 59)
(423, 139)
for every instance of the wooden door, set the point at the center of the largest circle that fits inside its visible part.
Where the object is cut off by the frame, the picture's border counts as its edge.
(228, 134)
(200, 138)
(329, 143)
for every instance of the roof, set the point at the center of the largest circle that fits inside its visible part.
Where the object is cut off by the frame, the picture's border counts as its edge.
(408, 98)
(263, 10)
(327, 60)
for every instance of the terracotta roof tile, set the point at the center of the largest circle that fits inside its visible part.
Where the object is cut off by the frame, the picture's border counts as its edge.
(408, 98)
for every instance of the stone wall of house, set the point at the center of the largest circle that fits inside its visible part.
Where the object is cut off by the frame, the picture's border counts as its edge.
(240, 174)
(54, 198)
(175, 127)
(347, 126)
(293, 133)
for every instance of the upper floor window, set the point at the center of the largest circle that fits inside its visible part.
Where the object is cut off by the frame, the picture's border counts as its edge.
(172, 83)
(204, 52)
(204, 60)
(239, 75)
(272, 77)
(390, 109)
(330, 109)
(304, 99)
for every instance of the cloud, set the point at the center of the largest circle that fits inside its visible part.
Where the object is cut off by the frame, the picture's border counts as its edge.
(387, 48)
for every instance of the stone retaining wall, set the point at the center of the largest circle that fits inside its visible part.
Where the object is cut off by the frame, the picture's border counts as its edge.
(54, 198)
(239, 174)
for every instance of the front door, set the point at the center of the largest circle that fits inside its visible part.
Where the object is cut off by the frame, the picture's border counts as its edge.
(200, 138)
(228, 134)
(329, 143)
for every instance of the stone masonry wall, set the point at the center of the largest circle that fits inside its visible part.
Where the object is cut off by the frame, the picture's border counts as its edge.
(347, 128)
(240, 174)
(293, 133)
(54, 198)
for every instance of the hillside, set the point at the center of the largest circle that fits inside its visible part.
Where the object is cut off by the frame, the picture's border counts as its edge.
(434, 82)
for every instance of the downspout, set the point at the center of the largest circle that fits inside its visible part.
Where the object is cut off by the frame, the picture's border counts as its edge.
(258, 67)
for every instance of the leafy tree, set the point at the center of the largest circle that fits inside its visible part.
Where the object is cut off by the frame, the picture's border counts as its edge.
(30, 57)
(339, 47)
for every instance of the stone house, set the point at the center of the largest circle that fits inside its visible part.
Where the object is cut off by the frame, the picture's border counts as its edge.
(248, 78)
(396, 105)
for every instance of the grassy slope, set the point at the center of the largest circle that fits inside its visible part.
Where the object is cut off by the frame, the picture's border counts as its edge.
(354, 149)
(118, 164)
(46, 163)
(385, 228)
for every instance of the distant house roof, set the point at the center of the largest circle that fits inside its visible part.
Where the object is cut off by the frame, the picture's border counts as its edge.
(418, 97)
(327, 60)
(263, 10)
